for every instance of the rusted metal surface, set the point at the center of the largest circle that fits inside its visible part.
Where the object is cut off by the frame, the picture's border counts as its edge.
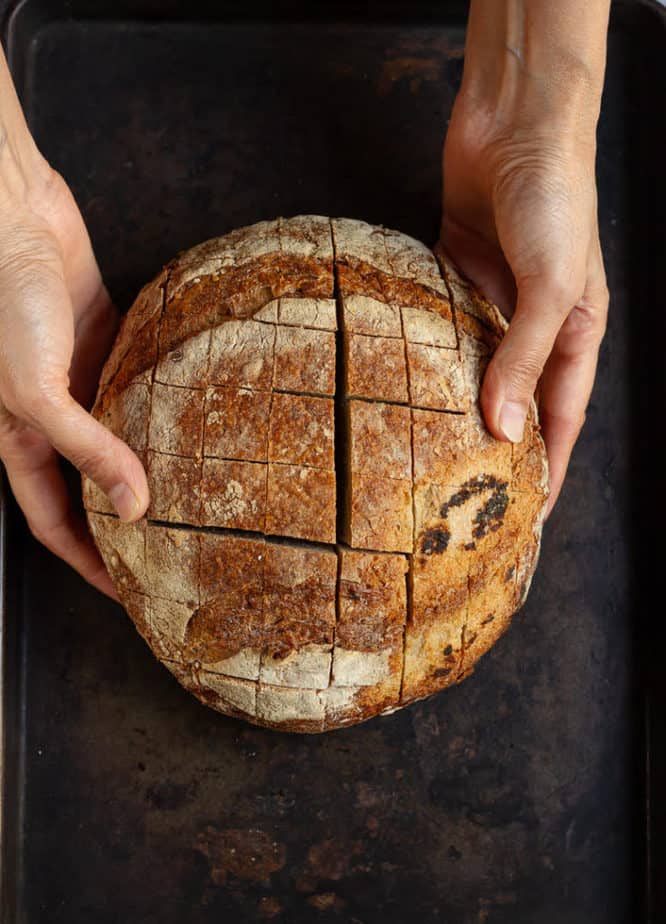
(515, 797)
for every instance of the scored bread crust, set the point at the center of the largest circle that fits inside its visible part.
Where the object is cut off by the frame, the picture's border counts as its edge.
(333, 533)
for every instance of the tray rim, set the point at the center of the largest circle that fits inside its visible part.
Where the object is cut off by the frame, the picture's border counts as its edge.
(624, 14)
(12, 760)
(3, 684)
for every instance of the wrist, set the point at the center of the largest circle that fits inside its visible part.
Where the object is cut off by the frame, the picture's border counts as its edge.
(535, 66)
(23, 169)
(563, 128)
(24, 172)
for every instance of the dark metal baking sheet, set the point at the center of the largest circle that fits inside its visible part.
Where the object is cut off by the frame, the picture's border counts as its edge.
(519, 796)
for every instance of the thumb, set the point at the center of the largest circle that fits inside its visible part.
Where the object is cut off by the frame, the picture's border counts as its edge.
(542, 305)
(95, 451)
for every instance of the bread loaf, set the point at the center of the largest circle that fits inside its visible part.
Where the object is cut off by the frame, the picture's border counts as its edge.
(332, 531)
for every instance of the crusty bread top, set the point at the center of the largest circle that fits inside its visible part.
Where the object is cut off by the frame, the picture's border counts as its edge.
(332, 532)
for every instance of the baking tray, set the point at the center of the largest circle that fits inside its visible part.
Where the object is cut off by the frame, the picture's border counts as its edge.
(529, 794)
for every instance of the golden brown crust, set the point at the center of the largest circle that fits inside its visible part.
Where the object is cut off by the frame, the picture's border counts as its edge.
(302, 431)
(365, 315)
(380, 440)
(368, 654)
(379, 513)
(304, 361)
(233, 494)
(134, 352)
(299, 596)
(436, 378)
(245, 581)
(175, 486)
(236, 424)
(448, 451)
(301, 502)
(372, 598)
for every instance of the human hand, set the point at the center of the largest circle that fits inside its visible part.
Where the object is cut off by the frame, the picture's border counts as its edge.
(57, 324)
(520, 220)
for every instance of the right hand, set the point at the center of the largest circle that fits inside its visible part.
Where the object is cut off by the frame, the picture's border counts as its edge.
(57, 325)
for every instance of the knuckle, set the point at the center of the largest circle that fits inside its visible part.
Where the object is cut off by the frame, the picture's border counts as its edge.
(584, 327)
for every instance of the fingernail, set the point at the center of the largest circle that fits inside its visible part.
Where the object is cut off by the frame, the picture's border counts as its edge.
(512, 421)
(124, 500)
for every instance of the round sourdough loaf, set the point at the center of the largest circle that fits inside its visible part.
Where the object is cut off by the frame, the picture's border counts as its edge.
(332, 531)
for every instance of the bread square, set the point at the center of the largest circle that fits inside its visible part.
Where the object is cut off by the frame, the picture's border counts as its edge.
(380, 514)
(228, 693)
(380, 439)
(241, 354)
(360, 240)
(320, 313)
(436, 378)
(168, 621)
(128, 415)
(176, 420)
(174, 485)
(282, 704)
(451, 449)
(229, 561)
(305, 361)
(376, 368)
(301, 502)
(298, 580)
(411, 259)
(186, 364)
(226, 632)
(373, 599)
(268, 313)
(309, 667)
(363, 314)
(123, 547)
(172, 564)
(426, 327)
(236, 424)
(233, 494)
(302, 431)
(306, 236)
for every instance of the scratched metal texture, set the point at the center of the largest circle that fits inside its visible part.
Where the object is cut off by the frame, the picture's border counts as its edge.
(517, 796)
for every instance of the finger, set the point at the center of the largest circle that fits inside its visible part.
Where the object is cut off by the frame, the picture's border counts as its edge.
(40, 491)
(95, 330)
(542, 305)
(566, 384)
(91, 448)
(482, 261)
